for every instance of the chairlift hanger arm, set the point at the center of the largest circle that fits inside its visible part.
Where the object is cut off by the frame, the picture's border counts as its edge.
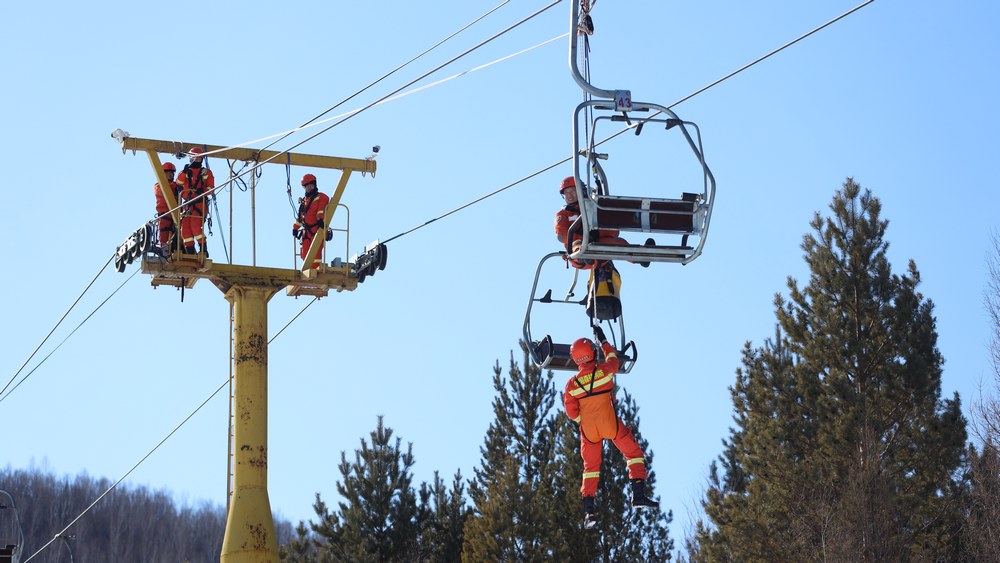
(252, 155)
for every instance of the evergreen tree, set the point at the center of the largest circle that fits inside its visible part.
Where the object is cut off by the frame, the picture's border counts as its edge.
(377, 520)
(512, 490)
(443, 514)
(844, 449)
(526, 493)
(622, 534)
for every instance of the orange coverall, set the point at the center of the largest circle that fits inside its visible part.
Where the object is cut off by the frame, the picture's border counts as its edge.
(312, 208)
(589, 400)
(194, 182)
(565, 217)
(165, 224)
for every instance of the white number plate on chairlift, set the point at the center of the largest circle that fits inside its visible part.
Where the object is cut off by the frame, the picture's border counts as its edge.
(623, 100)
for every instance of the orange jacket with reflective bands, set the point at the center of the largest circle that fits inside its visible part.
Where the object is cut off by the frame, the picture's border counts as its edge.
(589, 397)
(194, 182)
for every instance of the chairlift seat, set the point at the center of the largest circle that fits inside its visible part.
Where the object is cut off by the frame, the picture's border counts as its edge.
(550, 355)
(649, 215)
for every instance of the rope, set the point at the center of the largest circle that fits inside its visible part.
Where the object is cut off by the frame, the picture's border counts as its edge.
(391, 72)
(44, 340)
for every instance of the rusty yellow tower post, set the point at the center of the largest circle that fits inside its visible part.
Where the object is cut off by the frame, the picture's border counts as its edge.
(249, 526)
(250, 534)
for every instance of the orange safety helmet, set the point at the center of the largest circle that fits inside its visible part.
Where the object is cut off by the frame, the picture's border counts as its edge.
(568, 182)
(196, 153)
(582, 351)
(169, 167)
(308, 179)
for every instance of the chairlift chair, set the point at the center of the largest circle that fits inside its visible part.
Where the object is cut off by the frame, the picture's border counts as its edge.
(684, 220)
(550, 353)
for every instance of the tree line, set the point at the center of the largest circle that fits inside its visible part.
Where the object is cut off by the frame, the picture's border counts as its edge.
(843, 449)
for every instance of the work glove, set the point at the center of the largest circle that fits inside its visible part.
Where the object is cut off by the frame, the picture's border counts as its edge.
(599, 334)
(320, 223)
(296, 233)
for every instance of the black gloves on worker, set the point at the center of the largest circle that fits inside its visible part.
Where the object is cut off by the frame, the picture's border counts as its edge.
(599, 335)
(295, 232)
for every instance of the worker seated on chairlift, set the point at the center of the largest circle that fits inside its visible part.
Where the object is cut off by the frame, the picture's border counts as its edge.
(604, 287)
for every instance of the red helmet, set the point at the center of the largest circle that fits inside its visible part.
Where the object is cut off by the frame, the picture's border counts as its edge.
(169, 167)
(568, 182)
(582, 351)
(195, 154)
(308, 179)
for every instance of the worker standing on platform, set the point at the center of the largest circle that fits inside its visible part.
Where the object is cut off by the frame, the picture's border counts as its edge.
(196, 184)
(310, 220)
(165, 222)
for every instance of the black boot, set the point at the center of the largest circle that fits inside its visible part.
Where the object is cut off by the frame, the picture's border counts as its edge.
(639, 498)
(649, 242)
(589, 513)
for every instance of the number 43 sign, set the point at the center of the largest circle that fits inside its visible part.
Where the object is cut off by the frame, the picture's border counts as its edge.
(623, 100)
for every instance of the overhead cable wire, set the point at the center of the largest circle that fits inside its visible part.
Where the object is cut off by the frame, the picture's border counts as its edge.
(348, 115)
(160, 443)
(39, 364)
(389, 98)
(393, 71)
(44, 340)
(425, 75)
(315, 299)
(630, 127)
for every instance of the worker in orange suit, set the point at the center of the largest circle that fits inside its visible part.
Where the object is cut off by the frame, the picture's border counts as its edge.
(590, 401)
(165, 221)
(196, 184)
(311, 220)
(566, 216)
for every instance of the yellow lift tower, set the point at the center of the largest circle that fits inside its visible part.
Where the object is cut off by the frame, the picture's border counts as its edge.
(250, 534)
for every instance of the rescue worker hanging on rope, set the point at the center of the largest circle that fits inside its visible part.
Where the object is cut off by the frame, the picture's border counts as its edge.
(310, 220)
(196, 183)
(165, 222)
(589, 399)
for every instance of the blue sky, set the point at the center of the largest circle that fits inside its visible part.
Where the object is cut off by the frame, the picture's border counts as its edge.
(901, 96)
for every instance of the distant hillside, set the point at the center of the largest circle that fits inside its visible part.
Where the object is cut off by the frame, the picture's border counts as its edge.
(130, 524)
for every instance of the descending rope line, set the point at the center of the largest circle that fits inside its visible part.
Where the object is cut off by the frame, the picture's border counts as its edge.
(39, 364)
(44, 340)
(630, 127)
(391, 72)
(315, 299)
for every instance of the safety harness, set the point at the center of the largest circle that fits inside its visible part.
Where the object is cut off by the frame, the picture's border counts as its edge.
(304, 204)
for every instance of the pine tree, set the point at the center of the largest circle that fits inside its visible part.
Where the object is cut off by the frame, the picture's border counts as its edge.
(377, 520)
(443, 514)
(844, 449)
(512, 490)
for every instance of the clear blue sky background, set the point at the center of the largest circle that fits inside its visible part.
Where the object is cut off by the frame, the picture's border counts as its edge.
(901, 96)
